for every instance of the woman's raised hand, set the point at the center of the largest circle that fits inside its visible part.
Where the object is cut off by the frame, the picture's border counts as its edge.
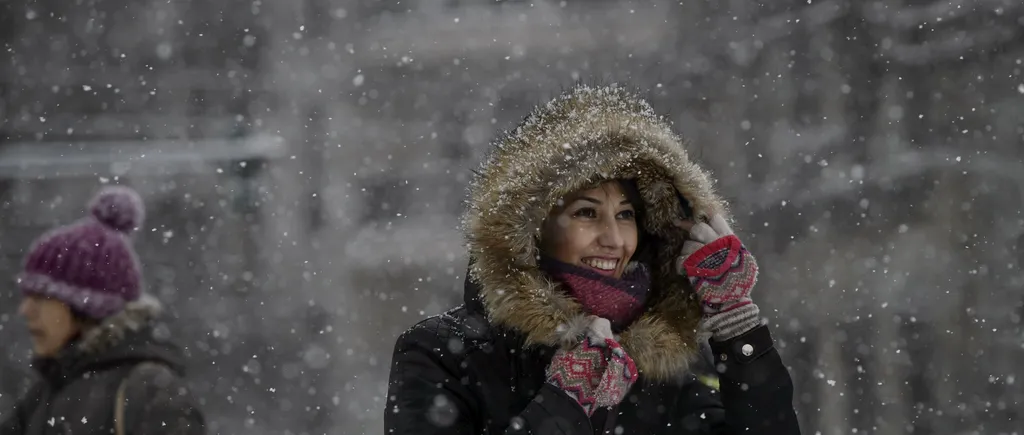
(722, 273)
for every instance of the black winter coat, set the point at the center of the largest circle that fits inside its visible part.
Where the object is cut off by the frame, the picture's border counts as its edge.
(480, 368)
(457, 374)
(77, 390)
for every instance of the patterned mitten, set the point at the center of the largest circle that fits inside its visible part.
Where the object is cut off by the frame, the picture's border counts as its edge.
(722, 273)
(596, 372)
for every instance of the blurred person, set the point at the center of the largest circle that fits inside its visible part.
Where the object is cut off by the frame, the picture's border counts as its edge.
(104, 361)
(601, 264)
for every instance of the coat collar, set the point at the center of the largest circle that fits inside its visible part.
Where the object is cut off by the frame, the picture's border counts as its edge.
(125, 337)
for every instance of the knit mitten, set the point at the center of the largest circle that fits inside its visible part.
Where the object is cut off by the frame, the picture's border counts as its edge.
(596, 372)
(722, 273)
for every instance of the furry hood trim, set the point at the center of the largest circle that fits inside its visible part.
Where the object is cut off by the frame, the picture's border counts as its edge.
(112, 331)
(585, 135)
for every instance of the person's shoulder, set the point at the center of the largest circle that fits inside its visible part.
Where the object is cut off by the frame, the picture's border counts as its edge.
(455, 331)
(156, 391)
(153, 375)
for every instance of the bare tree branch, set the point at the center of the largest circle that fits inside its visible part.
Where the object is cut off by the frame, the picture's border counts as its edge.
(953, 45)
(775, 27)
(908, 17)
(185, 78)
(34, 160)
(808, 140)
(118, 124)
(896, 167)
(514, 30)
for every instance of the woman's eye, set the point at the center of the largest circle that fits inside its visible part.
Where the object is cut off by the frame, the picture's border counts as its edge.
(586, 213)
(627, 214)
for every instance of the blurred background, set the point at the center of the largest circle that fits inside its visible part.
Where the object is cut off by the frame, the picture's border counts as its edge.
(303, 163)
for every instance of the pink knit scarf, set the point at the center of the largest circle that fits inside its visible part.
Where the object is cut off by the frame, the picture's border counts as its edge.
(621, 301)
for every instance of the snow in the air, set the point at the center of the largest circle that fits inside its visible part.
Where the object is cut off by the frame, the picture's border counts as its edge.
(305, 163)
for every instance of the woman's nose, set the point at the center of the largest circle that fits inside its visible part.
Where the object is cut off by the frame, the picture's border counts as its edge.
(25, 307)
(611, 236)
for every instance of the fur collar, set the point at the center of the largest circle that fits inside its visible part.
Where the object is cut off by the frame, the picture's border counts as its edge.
(582, 136)
(133, 318)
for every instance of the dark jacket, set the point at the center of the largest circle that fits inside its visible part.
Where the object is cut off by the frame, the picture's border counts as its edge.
(77, 390)
(480, 368)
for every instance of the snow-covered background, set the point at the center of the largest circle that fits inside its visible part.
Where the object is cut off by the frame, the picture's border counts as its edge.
(303, 163)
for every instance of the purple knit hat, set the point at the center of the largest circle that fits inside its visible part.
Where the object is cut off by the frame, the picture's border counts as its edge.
(90, 265)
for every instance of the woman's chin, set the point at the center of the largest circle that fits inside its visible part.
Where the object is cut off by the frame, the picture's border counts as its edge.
(42, 350)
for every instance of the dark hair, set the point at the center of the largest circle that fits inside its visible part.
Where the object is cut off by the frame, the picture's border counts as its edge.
(84, 319)
(632, 192)
(644, 242)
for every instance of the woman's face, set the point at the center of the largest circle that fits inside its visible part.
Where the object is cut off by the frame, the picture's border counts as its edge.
(50, 324)
(594, 228)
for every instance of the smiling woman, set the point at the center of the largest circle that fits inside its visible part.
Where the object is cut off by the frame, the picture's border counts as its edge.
(594, 228)
(588, 243)
(601, 260)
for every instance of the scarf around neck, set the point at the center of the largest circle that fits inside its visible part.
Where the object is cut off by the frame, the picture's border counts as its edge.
(620, 300)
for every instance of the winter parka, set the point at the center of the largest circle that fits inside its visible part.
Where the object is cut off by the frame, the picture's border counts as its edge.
(78, 389)
(480, 367)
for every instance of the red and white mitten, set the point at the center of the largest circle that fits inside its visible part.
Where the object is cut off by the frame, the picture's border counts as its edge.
(722, 273)
(596, 372)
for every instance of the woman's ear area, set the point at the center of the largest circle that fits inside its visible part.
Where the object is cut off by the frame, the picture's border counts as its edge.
(685, 206)
(547, 226)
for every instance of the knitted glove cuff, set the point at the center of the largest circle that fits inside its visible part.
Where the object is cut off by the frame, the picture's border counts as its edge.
(733, 321)
(722, 272)
(619, 376)
(595, 373)
(712, 259)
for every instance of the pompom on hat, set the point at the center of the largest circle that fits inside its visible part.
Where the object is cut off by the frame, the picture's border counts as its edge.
(91, 264)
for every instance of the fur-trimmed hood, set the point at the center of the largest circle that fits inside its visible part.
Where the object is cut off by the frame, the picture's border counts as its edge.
(585, 135)
(132, 335)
